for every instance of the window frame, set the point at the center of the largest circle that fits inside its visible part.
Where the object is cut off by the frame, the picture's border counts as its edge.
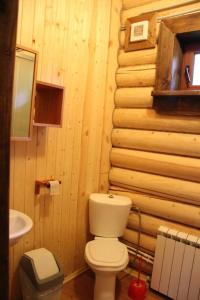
(189, 52)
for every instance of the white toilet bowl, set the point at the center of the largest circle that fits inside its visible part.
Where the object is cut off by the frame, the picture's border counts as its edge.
(106, 257)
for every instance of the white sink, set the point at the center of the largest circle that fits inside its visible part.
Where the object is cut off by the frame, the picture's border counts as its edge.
(19, 224)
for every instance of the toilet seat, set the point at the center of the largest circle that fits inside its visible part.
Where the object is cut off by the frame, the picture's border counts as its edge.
(106, 253)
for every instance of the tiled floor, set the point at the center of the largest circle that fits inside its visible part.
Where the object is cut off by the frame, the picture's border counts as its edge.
(81, 288)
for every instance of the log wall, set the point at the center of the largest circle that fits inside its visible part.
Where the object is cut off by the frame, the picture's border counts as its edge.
(155, 158)
(77, 42)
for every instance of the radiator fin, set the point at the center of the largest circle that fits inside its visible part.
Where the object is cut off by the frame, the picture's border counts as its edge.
(194, 291)
(167, 264)
(157, 266)
(186, 272)
(176, 268)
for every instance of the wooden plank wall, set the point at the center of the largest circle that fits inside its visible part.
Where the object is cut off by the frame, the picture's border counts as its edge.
(155, 158)
(77, 42)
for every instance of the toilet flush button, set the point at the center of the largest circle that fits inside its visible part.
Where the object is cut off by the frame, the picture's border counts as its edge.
(110, 196)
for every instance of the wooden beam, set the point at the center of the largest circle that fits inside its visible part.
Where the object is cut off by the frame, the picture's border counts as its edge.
(134, 97)
(164, 58)
(139, 76)
(8, 25)
(150, 225)
(182, 24)
(141, 57)
(147, 242)
(109, 95)
(156, 6)
(180, 190)
(162, 207)
(135, 3)
(156, 141)
(162, 164)
(148, 119)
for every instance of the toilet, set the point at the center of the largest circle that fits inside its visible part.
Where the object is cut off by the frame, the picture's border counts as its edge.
(106, 255)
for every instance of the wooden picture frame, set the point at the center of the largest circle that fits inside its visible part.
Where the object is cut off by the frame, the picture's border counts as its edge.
(145, 31)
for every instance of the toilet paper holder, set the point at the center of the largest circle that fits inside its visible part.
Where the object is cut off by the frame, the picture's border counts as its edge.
(42, 183)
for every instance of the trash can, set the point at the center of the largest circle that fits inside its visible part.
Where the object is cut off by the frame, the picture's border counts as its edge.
(40, 275)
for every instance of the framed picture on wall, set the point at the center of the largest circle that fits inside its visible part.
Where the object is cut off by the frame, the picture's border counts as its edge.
(140, 32)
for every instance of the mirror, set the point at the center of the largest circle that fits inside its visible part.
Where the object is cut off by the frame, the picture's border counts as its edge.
(23, 93)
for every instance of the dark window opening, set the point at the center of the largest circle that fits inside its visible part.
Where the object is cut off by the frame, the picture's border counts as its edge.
(190, 71)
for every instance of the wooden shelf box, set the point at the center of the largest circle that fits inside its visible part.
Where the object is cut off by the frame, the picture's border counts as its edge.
(48, 104)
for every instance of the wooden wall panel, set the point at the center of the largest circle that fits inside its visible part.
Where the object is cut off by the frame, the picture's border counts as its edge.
(154, 157)
(110, 93)
(77, 42)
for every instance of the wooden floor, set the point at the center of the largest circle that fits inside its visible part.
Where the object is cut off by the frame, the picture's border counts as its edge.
(82, 287)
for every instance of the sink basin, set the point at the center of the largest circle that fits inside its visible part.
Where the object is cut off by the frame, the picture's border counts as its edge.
(19, 224)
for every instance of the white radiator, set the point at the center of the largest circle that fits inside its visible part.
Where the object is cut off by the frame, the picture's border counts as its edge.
(176, 268)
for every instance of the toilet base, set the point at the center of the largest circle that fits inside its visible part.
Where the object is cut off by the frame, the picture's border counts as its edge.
(104, 286)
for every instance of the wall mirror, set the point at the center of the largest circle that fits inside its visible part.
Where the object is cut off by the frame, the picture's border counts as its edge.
(23, 93)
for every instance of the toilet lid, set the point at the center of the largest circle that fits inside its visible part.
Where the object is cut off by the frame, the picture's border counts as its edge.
(106, 252)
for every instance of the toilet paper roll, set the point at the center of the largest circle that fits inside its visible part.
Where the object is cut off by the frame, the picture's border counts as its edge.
(54, 187)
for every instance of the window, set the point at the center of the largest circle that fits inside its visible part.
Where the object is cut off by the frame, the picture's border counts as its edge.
(177, 85)
(190, 72)
(196, 70)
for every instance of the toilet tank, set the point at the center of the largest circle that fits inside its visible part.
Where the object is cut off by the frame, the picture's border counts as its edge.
(108, 214)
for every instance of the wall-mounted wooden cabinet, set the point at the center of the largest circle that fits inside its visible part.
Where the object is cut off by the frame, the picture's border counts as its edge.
(48, 104)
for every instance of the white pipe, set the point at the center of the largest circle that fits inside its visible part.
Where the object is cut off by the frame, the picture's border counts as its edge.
(143, 258)
(141, 252)
(147, 257)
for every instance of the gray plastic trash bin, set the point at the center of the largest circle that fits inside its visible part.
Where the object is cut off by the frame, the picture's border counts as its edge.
(40, 275)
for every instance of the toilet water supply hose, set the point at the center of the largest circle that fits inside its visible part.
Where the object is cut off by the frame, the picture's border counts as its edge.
(134, 210)
(137, 288)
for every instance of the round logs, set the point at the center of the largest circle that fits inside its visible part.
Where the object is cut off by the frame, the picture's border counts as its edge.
(181, 190)
(150, 225)
(146, 241)
(141, 76)
(148, 119)
(163, 208)
(134, 97)
(162, 164)
(134, 3)
(155, 141)
(134, 58)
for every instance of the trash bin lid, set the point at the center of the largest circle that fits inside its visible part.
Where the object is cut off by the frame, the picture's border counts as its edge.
(42, 268)
(44, 263)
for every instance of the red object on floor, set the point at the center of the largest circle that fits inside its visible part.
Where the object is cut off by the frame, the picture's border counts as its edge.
(137, 289)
